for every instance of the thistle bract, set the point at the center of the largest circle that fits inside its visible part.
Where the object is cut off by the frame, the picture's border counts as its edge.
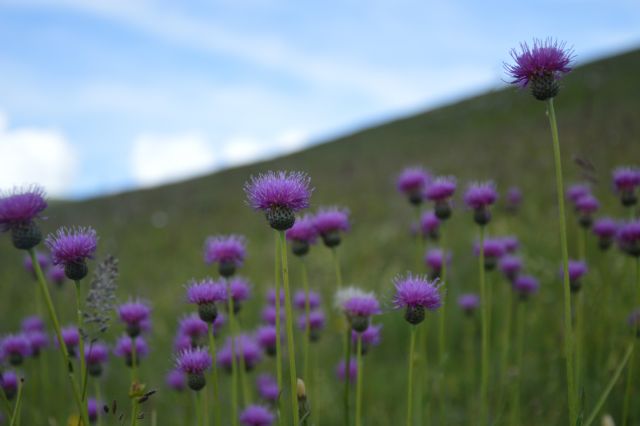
(19, 210)
(302, 235)
(194, 362)
(331, 222)
(415, 293)
(71, 248)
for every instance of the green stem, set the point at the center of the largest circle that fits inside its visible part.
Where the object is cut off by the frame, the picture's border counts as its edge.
(134, 381)
(443, 291)
(289, 323)
(16, 409)
(419, 245)
(98, 399)
(214, 377)
(627, 392)
(205, 408)
(484, 360)
(83, 366)
(276, 283)
(196, 404)
(307, 327)
(506, 336)
(5, 402)
(610, 385)
(359, 382)
(412, 344)
(234, 364)
(347, 378)
(336, 264)
(61, 345)
(246, 389)
(568, 332)
(515, 410)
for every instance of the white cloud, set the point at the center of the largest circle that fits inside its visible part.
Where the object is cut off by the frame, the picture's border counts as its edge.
(292, 140)
(242, 150)
(33, 155)
(159, 159)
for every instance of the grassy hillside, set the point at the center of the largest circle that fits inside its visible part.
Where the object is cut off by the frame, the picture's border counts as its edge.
(158, 233)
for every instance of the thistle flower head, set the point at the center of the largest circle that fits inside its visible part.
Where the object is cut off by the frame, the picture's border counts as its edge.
(244, 346)
(32, 323)
(605, 227)
(229, 251)
(176, 380)
(269, 315)
(300, 300)
(510, 244)
(331, 220)
(42, 259)
(577, 191)
(271, 297)
(133, 314)
(341, 370)
(193, 361)
(441, 188)
(412, 182)
(240, 289)
(193, 327)
(626, 178)
(510, 266)
(267, 337)
(416, 290)
(96, 353)
(493, 248)
(267, 387)
(205, 292)
(370, 337)
(634, 319)
(540, 66)
(429, 224)
(9, 384)
(587, 204)
(256, 415)
(469, 302)
(92, 409)
(21, 206)
(70, 336)
(317, 322)
(359, 307)
(525, 285)
(513, 198)
(15, 347)
(303, 230)
(480, 195)
(124, 349)
(577, 269)
(72, 245)
(435, 258)
(38, 340)
(628, 237)
(56, 275)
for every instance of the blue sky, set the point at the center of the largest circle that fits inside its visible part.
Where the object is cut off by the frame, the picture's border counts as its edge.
(98, 96)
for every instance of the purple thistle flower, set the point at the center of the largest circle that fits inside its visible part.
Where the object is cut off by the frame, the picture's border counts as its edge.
(302, 235)
(493, 251)
(9, 384)
(510, 244)
(353, 370)
(300, 300)
(479, 197)
(469, 302)
(434, 259)
(540, 67)
(279, 195)
(256, 415)
(271, 297)
(330, 222)
(71, 339)
(176, 380)
(267, 337)
(316, 323)
(194, 328)
(56, 275)
(577, 269)
(92, 409)
(19, 210)
(269, 315)
(42, 259)
(240, 291)
(38, 340)
(412, 182)
(228, 251)
(16, 348)
(96, 354)
(415, 293)
(181, 342)
(525, 286)
(440, 190)
(32, 323)
(586, 206)
(629, 237)
(605, 228)
(358, 306)
(430, 225)
(244, 346)
(194, 362)
(510, 266)
(268, 388)
(124, 349)
(370, 338)
(206, 294)
(577, 191)
(133, 314)
(625, 181)
(513, 199)
(71, 247)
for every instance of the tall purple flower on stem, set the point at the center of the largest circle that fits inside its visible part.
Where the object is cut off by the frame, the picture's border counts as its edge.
(38, 341)
(577, 269)
(244, 346)
(9, 384)
(469, 303)
(370, 338)
(626, 180)
(577, 191)
(302, 235)
(525, 286)
(15, 347)
(124, 349)
(228, 251)
(341, 370)
(513, 199)
(493, 249)
(510, 244)
(71, 339)
(269, 315)
(300, 300)
(479, 197)
(430, 225)
(540, 67)
(317, 322)
(240, 292)
(358, 306)
(96, 355)
(32, 323)
(267, 337)
(42, 259)
(194, 362)
(629, 237)
(20, 208)
(92, 409)
(412, 183)
(279, 195)
(586, 206)
(206, 294)
(256, 415)
(268, 388)
(435, 259)
(71, 248)
(414, 294)
(605, 229)
(331, 222)
(176, 379)
(133, 314)
(194, 328)
(510, 266)
(440, 191)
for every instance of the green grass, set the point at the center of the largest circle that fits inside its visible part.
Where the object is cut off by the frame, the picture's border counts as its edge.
(502, 135)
